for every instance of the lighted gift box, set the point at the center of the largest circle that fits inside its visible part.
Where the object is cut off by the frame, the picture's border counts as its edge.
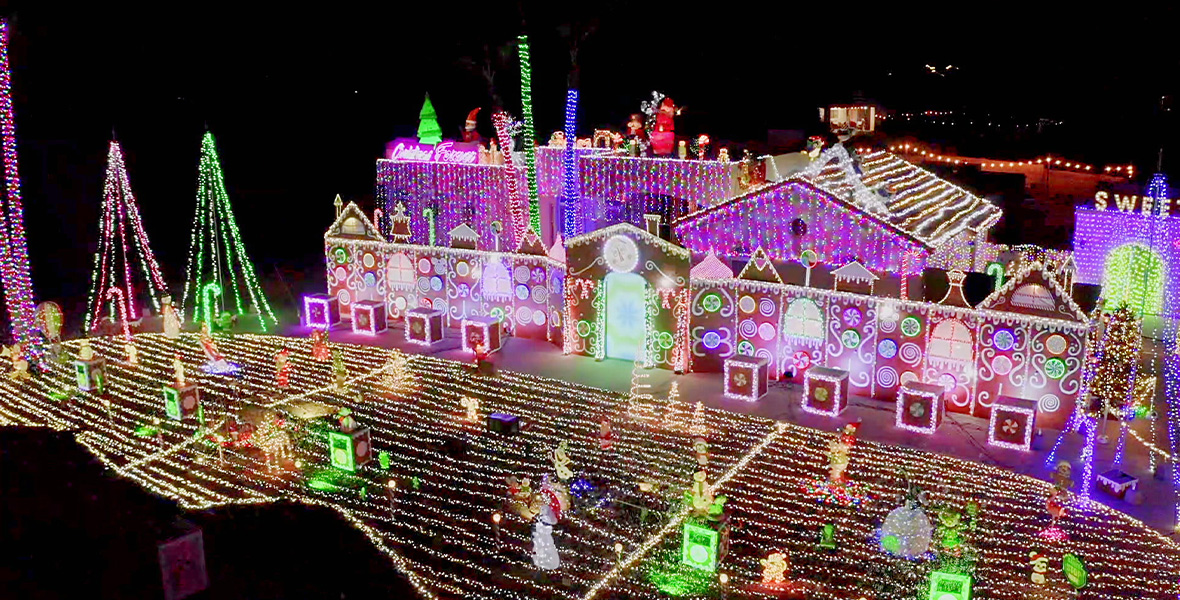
(321, 310)
(1117, 483)
(949, 586)
(481, 330)
(1012, 423)
(350, 450)
(181, 402)
(920, 407)
(825, 391)
(90, 374)
(745, 377)
(368, 316)
(424, 326)
(699, 546)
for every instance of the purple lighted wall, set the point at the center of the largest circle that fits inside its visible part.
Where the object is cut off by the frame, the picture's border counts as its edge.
(1097, 232)
(789, 218)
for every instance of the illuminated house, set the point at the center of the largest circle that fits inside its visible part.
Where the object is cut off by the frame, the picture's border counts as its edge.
(1131, 246)
(851, 117)
(626, 292)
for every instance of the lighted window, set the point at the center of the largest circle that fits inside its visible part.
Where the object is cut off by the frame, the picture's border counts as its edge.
(400, 270)
(1034, 296)
(804, 320)
(352, 226)
(497, 283)
(950, 343)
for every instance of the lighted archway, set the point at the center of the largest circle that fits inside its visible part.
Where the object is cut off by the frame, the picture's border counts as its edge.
(1134, 275)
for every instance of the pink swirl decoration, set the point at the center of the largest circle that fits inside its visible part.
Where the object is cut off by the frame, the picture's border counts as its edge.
(887, 377)
(748, 328)
(910, 353)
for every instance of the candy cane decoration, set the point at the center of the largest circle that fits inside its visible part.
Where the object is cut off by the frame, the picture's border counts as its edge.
(210, 291)
(519, 213)
(997, 270)
(122, 306)
(907, 264)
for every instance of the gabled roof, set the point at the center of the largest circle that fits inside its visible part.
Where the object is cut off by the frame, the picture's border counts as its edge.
(906, 195)
(530, 243)
(361, 228)
(854, 271)
(760, 268)
(1034, 291)
(557, 250)
(628, 228)
(711, 267)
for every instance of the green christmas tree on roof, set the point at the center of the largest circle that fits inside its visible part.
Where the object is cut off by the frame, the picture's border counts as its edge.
(428, 130)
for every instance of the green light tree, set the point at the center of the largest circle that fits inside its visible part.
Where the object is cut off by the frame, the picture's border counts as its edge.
(428, 130)
(218, 268)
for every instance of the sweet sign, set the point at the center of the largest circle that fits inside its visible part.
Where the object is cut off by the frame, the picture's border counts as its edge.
(409, 149)
(1131, 203)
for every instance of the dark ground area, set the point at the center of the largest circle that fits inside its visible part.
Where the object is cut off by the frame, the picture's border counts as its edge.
(69, 528)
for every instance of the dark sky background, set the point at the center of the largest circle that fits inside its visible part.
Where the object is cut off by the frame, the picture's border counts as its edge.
(302, 101)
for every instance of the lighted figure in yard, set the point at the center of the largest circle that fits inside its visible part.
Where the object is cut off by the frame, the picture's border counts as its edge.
(561, 462)
(85, 352)
(837, 489)
(827, 537)
(214, 361)
(35, 352)
(838, 451)
(48, 320)
(283, 368)
(544, 550)
(272, 439)
(1040, 566)
(774, 569)
(171, 319)
(178, 370)
(663, 140)
(1058, 501)
(520, 497)
(319, 346)
(606, 437)
(701, 493)
(339, 371)
(20, 366)
(951, 527)
(471, 405)
(132, 354)
(636, 134)
(701, 449)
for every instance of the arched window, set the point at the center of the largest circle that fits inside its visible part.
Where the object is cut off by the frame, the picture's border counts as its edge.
(400, 271)
(804, 321)
(1031, 295)
(950, 344)
(352, 226)
(496, 282)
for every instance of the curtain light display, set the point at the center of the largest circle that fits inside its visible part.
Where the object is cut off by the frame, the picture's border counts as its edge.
(571, 216)
(14, 252)
(112, 261)
(216, 252)
(530, 134)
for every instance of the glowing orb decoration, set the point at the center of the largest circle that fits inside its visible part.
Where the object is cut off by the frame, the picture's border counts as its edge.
(1055, 368)
(911, 326)
(887, 348)
(711, 302)
(1003, 340)
(1056, 344)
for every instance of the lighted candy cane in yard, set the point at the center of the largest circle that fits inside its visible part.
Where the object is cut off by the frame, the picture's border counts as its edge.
(121, 304)
(209, 292)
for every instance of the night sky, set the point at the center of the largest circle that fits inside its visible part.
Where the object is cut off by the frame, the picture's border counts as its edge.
(302, 102)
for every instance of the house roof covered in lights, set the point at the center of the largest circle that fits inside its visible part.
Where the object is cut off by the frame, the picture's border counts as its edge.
(911, 198)
(872, 207)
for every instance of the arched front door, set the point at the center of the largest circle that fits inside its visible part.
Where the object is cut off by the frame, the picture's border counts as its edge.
(626, 327)
(1134, 275)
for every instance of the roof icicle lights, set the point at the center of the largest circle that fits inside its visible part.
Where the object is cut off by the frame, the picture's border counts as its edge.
(112, 262)
(217, 261)
(14, 263)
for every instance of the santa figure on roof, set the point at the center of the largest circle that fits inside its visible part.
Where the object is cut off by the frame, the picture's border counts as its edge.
(470, 133)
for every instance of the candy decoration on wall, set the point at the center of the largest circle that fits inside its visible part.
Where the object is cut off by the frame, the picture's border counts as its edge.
(14, 268)
(216, 252)
(112, 261)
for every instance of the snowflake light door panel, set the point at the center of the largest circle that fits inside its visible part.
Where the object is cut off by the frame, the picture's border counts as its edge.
(1001, 366)
(401, 277)
(1054, 374)
(712, 326)
(495, 286)
(900, 348)
(431, 284)
(462, 285)
(950, 357)
(758, 322)
(802, 334)
(851, 340)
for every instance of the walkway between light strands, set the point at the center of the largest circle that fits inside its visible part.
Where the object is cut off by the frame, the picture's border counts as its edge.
(961, 436)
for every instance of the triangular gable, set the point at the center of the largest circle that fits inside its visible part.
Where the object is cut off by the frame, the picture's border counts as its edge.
(353, 223)
(854, 271)
(760, 268)
(954, 294)
(1034, 292)
(606, 232)
(557, 250)
(463, 236)
(531, 243)
(711, 267)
